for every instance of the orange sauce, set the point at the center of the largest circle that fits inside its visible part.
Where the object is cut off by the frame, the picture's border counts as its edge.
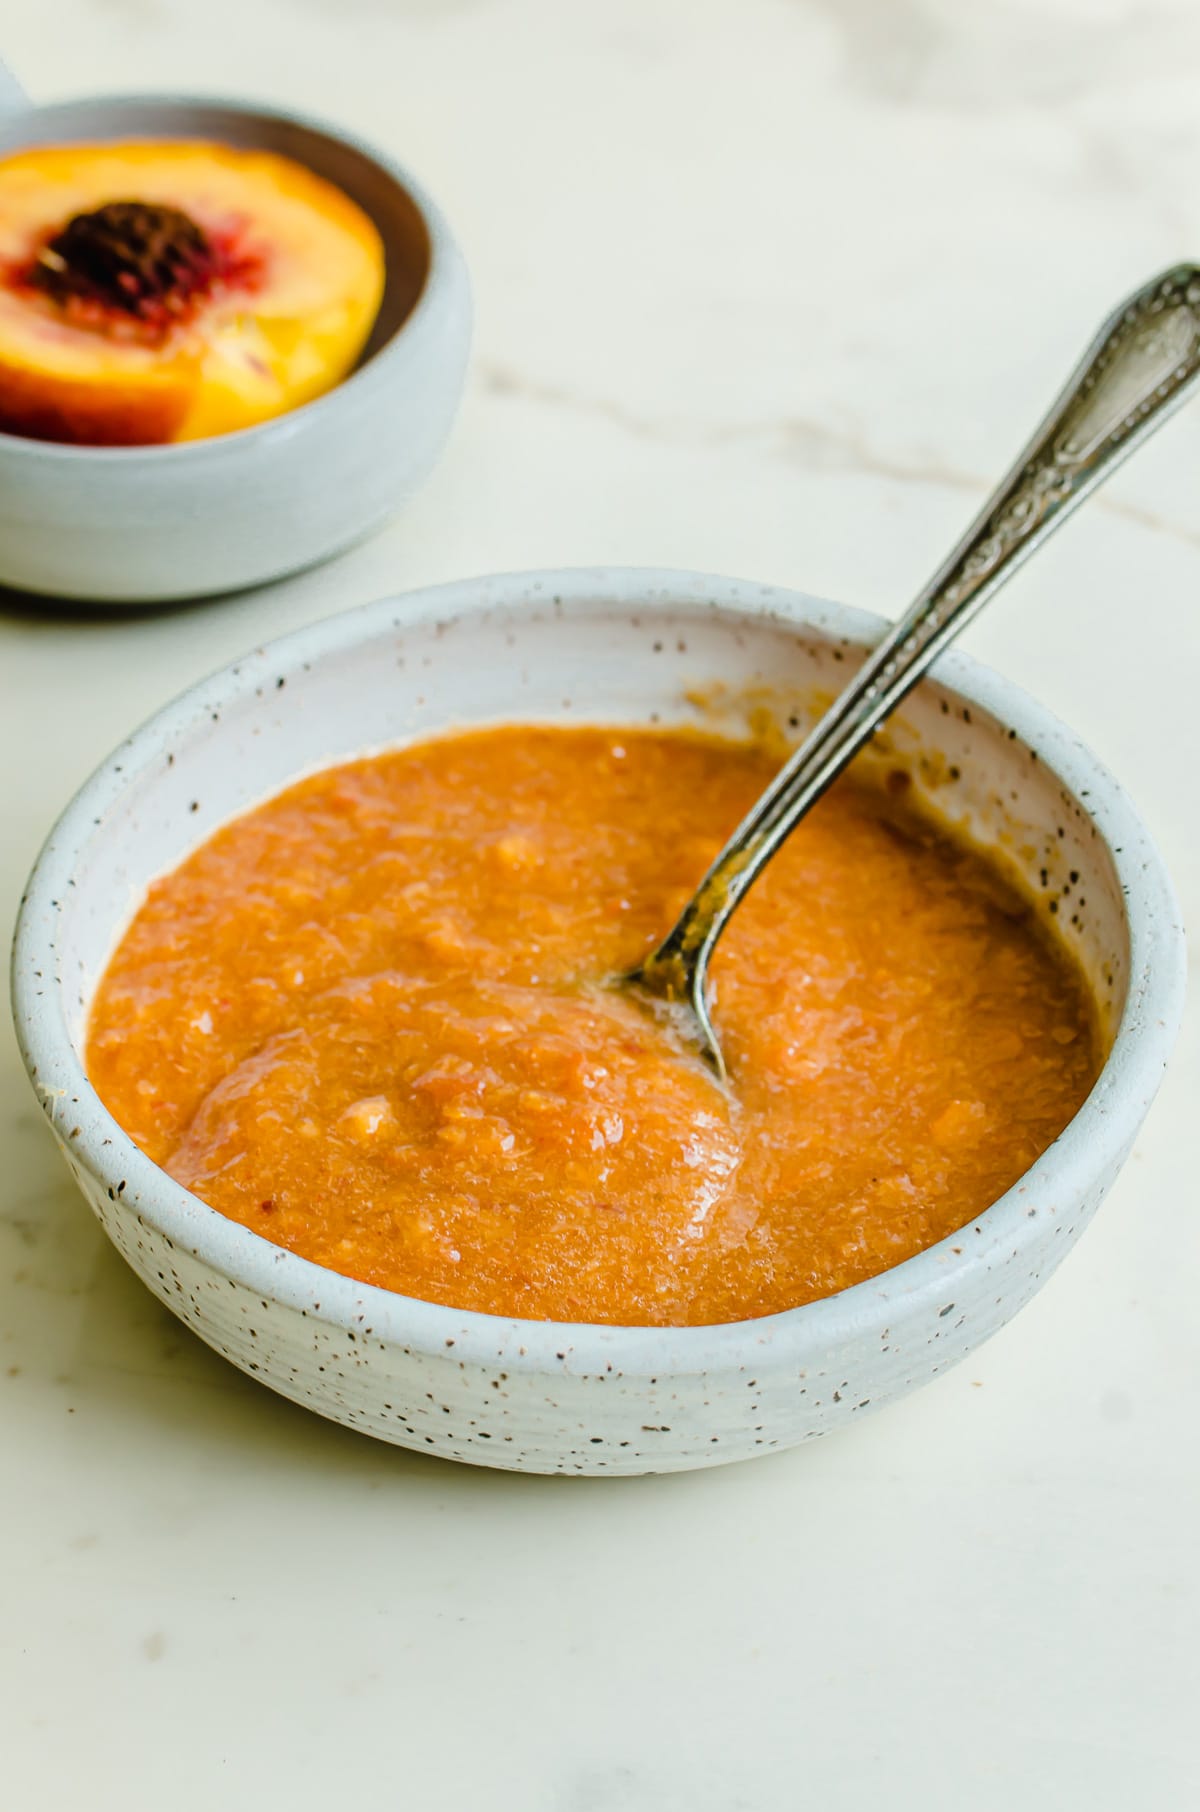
(366, 1020)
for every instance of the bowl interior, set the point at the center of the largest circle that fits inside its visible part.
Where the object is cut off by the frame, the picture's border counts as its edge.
(401, 224)
(457, 657)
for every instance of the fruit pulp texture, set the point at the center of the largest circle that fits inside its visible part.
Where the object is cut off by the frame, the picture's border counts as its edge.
(293, 276)
(367, 1020)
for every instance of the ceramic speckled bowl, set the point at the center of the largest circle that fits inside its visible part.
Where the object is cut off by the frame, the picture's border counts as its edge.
(143, 524)
(616, 647)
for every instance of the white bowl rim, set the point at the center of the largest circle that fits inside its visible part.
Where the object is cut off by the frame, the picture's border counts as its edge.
(1092, 1143)
(440, 275)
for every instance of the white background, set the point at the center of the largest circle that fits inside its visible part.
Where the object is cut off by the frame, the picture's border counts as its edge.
(772, 288)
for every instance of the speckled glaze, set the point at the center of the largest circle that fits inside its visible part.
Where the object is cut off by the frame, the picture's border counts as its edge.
(140, 525)
(623, 646)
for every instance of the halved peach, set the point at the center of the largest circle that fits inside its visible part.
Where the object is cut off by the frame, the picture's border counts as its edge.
(170, 291)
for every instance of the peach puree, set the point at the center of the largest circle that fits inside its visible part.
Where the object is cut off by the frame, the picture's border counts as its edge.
(365, 1020)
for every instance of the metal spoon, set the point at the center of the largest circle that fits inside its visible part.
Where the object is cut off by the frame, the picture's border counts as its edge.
(1141, 366)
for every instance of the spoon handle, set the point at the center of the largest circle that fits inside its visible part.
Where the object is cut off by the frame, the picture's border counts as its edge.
(1141, 366)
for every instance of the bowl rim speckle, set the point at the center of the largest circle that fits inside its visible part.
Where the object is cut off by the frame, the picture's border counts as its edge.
(1094, 1141)
(432, 297)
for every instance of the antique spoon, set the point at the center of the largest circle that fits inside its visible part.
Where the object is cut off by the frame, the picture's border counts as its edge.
(1141, 366)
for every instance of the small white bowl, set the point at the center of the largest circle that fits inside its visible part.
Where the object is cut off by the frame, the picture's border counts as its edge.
(141, 525)
(618, 647)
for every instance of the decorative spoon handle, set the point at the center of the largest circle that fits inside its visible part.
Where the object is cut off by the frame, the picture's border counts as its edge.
(1142, 365)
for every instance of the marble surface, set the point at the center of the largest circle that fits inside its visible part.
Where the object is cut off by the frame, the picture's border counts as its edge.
(769, 288)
